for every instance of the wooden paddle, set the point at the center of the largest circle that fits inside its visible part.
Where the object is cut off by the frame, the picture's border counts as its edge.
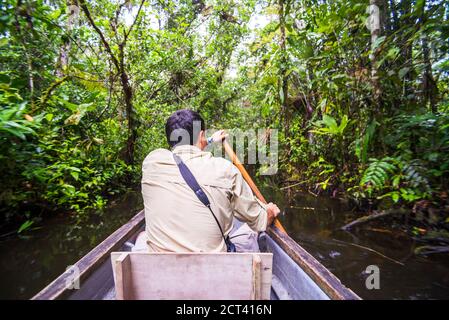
(246, 176)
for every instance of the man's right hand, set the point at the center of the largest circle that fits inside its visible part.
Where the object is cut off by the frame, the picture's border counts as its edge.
(272, 213)
(219, 136)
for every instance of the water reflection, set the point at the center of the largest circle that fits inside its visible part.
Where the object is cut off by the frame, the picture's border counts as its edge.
(31, 262)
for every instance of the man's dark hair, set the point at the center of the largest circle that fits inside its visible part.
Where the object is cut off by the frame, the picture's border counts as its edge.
(183, 120)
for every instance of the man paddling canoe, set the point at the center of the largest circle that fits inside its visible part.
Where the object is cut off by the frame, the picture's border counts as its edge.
(177, 219)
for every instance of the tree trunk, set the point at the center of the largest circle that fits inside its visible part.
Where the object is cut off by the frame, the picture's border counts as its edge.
(63, 61)
(283, 86)
(375, 28)
(20, 11)
(429, 86)
(405, 9)
(130, 116)
(124, 79)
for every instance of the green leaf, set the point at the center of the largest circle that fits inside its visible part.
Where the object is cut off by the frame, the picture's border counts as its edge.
(396, 181)
(55, 14)
(395, 196)
(49, 117)
(330, 122)
(378, 42)
(4, 42)
(403, 72)
(393, 52)
(98, 140)
(75, 118)
(26, 225)
(75, 175)
(343, 124)
(15, 133)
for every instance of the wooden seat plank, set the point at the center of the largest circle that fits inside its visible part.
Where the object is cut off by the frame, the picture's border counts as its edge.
(217, 276)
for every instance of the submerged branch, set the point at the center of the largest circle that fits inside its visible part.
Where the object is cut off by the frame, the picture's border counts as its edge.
(371, 217)
(425, 250)
(371, 250)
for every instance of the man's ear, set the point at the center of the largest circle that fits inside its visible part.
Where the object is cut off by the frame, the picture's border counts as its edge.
(201, 136)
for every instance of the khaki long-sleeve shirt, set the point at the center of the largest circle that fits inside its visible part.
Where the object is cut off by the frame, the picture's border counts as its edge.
(176, 221)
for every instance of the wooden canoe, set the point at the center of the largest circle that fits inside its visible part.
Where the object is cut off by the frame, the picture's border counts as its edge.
(297, 275)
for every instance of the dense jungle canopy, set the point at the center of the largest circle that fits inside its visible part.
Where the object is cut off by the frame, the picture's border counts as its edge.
(357, 89)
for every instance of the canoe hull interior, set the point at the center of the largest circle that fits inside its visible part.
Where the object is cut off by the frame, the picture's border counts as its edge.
(290, 281)
(296, 274)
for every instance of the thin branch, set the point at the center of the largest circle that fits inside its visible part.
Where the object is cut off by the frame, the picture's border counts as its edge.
(135, 20)
(108, 105)
(85, 79)
(100, 34)
(53, 86)
(36, 16)
(294, 185)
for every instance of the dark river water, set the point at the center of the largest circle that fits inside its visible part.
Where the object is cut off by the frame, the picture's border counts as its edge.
(315, 222)
(31, 261)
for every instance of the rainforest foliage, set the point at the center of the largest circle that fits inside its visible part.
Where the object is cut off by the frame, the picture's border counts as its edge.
(357, 89)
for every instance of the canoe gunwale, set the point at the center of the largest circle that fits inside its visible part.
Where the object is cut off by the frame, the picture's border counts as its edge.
(326, 280)
(92, 260)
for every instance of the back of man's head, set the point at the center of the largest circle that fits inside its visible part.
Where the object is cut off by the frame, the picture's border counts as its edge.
(183, 127)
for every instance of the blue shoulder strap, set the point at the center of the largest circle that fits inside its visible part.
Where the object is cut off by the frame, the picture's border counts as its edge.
(194, 185)
(191, 181)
